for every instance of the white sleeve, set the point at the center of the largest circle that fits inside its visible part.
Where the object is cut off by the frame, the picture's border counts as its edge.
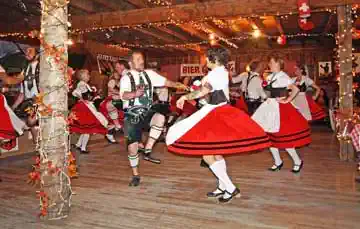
(81, 87)
(308, 81)
(284, 80)
(239, 78)
(259, 87)
(157, 80)
(125, 85)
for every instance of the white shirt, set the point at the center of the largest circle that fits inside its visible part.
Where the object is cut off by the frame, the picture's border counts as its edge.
(218, 78)
(125, 84)
(304, 79)
(81, 88)
(34, 91)
(281, 79)
(254, 89)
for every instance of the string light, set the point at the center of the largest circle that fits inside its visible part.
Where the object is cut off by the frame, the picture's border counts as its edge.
(256, 33)
(55, 196)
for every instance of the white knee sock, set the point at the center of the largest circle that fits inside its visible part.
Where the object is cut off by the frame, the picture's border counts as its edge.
(134, 160)
(219, 169)
(276, 155)
(155, 132)
(79, 142)
(85, 140)
(293, 154)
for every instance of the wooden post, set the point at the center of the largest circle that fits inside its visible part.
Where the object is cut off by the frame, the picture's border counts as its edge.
(346, 77)
(53, 138)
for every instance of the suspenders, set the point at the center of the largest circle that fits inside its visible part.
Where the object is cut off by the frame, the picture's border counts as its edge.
(133, 86)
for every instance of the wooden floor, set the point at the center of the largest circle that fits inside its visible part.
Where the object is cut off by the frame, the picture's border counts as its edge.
(172, 195)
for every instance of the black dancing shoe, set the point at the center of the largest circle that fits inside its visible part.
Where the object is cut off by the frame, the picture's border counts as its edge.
(203, 164)
(84, 152)
(76, 147)
(135, 181)
(275, 168)
(218, 192)
(235, 193)
(147, 157)
(297, 168)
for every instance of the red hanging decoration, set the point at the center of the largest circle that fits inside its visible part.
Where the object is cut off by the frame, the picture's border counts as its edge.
(304, 14)
(304, 8)
(281, 40)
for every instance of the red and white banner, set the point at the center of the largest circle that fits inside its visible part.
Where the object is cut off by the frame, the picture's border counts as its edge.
(191, 70)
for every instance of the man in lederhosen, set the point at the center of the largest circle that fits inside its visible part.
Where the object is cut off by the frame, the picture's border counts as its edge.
(29, 90)
(251, 85)
(136, 91)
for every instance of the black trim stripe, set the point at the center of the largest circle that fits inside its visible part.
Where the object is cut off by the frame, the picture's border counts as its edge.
(288, 135)
(291, 140)
(221, 142)
(219, 148)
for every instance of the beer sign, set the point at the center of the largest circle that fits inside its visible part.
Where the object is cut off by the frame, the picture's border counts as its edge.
(191, 70)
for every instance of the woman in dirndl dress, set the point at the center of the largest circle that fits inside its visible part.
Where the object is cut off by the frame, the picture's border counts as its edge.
(285, 125)
(305, 103)
(87, 119)
(216, 129)
(111, 107)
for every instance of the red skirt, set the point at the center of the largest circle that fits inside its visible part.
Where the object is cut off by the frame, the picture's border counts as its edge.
(105, 112)
(224, 130)
(317, 112)
(294, 129)
(188, 109)
(241, 104)
(7, 130)
(85, 122)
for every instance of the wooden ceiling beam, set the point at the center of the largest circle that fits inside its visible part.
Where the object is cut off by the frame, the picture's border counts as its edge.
(99, 48)
(278, 25)
(84, 5)
(138, 3)
(195, 11)
(107, 4)
(171, 32)
(166, 39)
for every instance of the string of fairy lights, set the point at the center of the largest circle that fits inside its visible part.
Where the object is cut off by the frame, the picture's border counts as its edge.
(197, 24)
(55, 194)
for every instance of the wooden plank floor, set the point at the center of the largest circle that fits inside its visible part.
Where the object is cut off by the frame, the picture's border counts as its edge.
(172, 195)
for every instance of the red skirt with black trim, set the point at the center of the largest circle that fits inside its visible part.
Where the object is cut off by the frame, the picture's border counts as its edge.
(317, 112)
(85, 122)
(188, 109)
(224, 130)
(105, 112)
(7, 130)
(294, 129)
(241, 104)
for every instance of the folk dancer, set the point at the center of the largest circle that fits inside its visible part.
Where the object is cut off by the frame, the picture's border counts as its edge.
(136, 90)
(87, 119)
(305, 103)
(28, 91)
(231, 130)
(111, 107)
(286, 127)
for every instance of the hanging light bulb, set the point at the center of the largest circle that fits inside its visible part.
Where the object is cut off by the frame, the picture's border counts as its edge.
(213, 42)
(69, 42)
(211, 36)
(256, 33)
